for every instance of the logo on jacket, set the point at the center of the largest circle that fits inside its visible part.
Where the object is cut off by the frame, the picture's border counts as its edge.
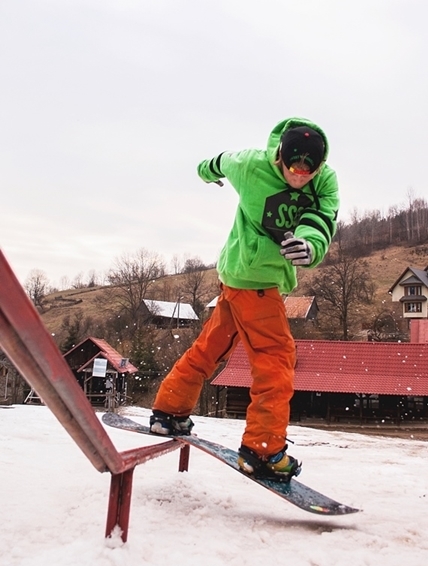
(282, 212)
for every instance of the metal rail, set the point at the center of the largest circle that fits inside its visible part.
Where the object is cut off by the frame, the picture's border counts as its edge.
(31, 349)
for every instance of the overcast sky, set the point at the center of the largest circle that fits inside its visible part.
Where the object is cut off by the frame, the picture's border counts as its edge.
(107, 107)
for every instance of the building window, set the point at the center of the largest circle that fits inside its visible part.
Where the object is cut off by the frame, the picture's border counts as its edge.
(412, 290)
(412, 307)
(415, 403)
(367, 401)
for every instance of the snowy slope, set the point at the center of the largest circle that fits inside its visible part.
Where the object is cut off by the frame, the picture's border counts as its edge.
(54, 503)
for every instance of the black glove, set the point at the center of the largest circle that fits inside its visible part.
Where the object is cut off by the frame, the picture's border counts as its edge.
(298, 250)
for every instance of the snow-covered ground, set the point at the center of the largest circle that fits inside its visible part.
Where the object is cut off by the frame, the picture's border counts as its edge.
(54, 503)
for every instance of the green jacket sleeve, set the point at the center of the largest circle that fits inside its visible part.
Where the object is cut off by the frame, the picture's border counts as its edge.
(209, 170)
(233, 165)
(318, 224)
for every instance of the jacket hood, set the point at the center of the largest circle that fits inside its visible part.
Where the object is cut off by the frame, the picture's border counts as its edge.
(279, 129)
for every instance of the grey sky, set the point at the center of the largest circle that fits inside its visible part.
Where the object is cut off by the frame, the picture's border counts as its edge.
(108, 106)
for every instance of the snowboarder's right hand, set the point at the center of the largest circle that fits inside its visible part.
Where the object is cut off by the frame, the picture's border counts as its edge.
(298, 250)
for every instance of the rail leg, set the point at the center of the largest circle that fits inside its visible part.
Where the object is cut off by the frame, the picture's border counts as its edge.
(120, 503)
(183, 465)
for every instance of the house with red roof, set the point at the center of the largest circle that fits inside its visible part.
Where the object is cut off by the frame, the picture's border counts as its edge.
(301, 308)
(298, 308)
(336, 380)
(101, 371)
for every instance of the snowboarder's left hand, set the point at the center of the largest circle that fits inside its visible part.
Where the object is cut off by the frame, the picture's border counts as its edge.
(298, 250)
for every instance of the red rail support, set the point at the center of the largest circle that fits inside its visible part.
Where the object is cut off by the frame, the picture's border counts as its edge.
(183, 464)
(29, 346)
(120, 503)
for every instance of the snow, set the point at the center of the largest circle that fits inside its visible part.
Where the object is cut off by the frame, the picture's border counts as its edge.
(54, 503)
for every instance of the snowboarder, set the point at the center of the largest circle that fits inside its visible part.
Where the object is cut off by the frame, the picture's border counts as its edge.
(286, 217)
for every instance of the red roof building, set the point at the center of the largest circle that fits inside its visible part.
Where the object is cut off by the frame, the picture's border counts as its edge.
(301, 308)
(100, 349)
(387, 368)
(360, 369)
(109, 389)
(298, 308)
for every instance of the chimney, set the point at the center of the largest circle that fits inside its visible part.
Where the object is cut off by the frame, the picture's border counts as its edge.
(419, 331)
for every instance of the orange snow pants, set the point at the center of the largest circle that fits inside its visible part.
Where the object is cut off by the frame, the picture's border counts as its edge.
(258, 319)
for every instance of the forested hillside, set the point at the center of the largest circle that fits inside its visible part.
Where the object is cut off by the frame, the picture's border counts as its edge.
(373, 230)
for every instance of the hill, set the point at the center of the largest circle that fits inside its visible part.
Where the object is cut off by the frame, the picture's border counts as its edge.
(91, 302)
(385, 267)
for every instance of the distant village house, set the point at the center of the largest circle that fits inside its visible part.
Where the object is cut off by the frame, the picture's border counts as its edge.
(298, 308)
(101, 371)
(164, 314)
(411, 290)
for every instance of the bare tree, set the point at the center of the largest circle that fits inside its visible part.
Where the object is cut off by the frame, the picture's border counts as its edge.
(93, 279)
(78, 282)
(64, 283)
(393, 212)
(165, 290)
(195, 286)
(193, 264)
(132, 276)
(419, 209)
(176, 263)
(343, 286)
(37, 286)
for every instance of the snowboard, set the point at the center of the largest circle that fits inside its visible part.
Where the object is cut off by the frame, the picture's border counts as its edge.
(293, 491)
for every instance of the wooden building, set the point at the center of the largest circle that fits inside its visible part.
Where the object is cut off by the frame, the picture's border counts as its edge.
(101, 371)
(164, 314)
(13, 387)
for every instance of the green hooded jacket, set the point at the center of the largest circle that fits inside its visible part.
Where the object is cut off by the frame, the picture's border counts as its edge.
(267, 208)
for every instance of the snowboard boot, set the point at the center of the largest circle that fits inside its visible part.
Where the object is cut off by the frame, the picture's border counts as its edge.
(278, 467)
(169, 425)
